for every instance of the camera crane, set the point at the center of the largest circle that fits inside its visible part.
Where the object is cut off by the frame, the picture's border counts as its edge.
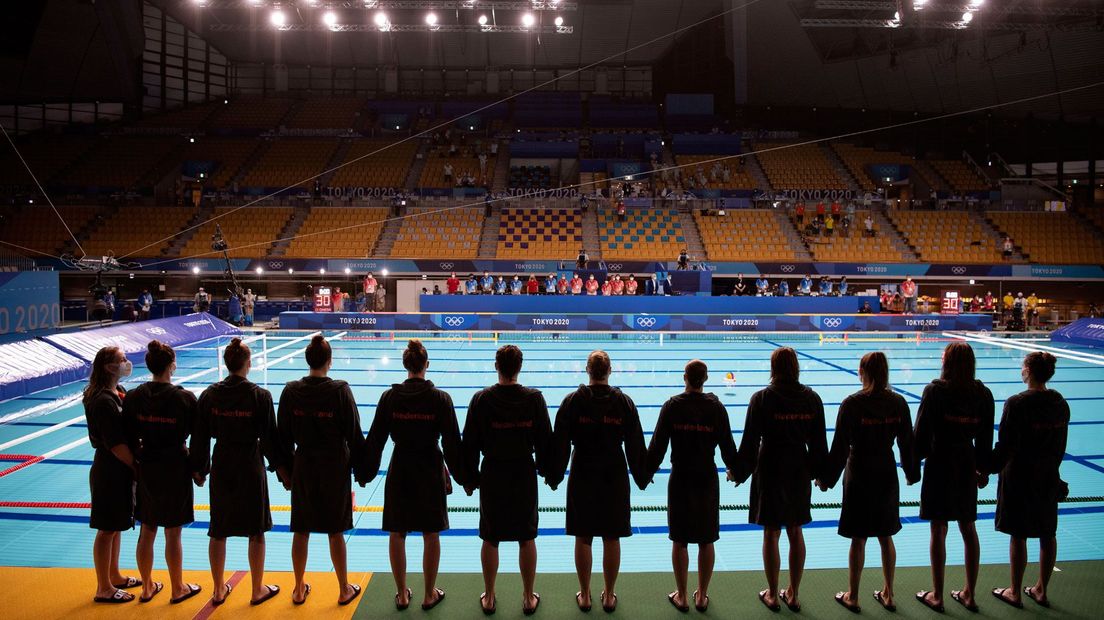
(218, 244)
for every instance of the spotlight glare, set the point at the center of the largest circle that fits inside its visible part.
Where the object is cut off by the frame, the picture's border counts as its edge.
(384, 272)
(482, 20)
(291, 270)
(431, 19)
(322, 271)
(278, 18)
(381, 19)
(348, 271)
(559, 21)
(976, 4)
(967, 17)
(195, 270)
(259, 270)
(528, 20)
(329, 18)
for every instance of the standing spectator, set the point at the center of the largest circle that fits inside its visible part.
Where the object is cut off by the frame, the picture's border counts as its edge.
(145, 304)
(486, 284)
(799, 212)
(621, 210)
(447, 168)
(607, 288)
(561, 285)
(494, 148)
(820, 210)
(471, 287)
(234, 309)
(761, 285)
(483, 165)
(591, 285)
(452, 284)
(825, 286)
(868, 222)
(202, 301)
(1006, 306)
(909, 291)
(843, 286)
(784, 288)
(249, 302)
(1032, 310)
(805, 287)
(109, 301)
(1093, 311)
(532, 287)
(850, 213)
(829, 225)
(516, 286)
(683, 260)
(1018, 307)
(370, 284)
(618, 285)
(576, 285)
(658, 286)
(437, 287)
(550, 284)
(739, 289)
(339, 299)
(1007, 248)
(836, 210)
(500, 286)
(631, 285)
(381, 299)
(582, 260)
(990, 302)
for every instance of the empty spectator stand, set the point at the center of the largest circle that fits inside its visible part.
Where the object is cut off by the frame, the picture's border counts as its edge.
(606, 113)
(548, 109)
(130, 228)
(251, 113)
(803, 166)
(646, 234)
(119, 162)
(290, 162)
(38, 228)
(960, 176)
(375, 163)
(219, 159)
(354, 233)
(439, 233)
(738, 176)
(539, 233)
(191, 117)
(947, 236)
(1050, 237)
(745, 235)
(45, 154)
(862, 161)
(530, 177)
(249, 231)
(327, 113)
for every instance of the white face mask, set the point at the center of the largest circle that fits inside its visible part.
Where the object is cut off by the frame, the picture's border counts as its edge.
(123, 369)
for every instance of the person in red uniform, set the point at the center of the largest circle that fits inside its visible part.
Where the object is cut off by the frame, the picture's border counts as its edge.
(799, 211)
(453, 284)
(820, 210)
(607, 288)
(592, 285)
(630, 286)
(370, 284)
(618, 285)
(576, 285)
(532, 287)
(836, 210)
(561, 285)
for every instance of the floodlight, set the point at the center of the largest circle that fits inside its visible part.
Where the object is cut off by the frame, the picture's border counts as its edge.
(290, 271)
(259, 270)
(322, 271)
(482, 20)
(329, 18)
(967, 17)
(348, 271)
(381, 19)
(431, 19)
(195, 270)
(559, 21)
(278, 18)
(528, 20)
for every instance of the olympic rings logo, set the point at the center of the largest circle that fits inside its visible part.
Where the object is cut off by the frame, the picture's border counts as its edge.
(958, 270)
(156, 331)
(445, 266)
(787, 268)
(275, 264)
(832, 321)
(614, 267)
(645, 321)
(454, 321)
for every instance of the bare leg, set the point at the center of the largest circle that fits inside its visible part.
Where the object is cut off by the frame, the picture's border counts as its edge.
(611, 566)
(797, 562)
(174, 560)
(488, 557)
(527, 562)
(216, 554)
(856, 559)
(257, 565)
(680, 564)
(340, 564)
(1017, 563)
(113, 567)
(144, 557)
(101, 557)
(973, 559)
(937, 550)
(771, 563)
(300, 543)
(431, 561)
(396, 548)
(706, 558)
(889, 567)
(1048, 555)
(584, 562)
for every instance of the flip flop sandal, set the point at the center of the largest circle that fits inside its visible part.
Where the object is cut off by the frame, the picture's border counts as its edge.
(216, 603)
(609, 609)
(272, 591)
(922, 596)
(356, 593)
(882, 601)
(193, 589)
(961, 600)
(682, 608)
(763, 599)
(1030, 594)
(998, 593)
(488, 611)
(784, 596)
(436, 602)
(399, 606)
(306, 593)
(855, 609)
(701, 608)
(118, 597)
(157, 587)
(130, 582)
(529, 611)
(579, 602)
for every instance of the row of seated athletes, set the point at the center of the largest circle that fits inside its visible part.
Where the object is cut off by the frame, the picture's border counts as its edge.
(763, 287)
(615, 284)
(315, 445)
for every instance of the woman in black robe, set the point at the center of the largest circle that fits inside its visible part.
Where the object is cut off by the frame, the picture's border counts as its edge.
(954, 436)
(319, 426)
(420, 419)
(508, 424)
(869, 421)
(784, 445)
(604, 426)
(111, 478)
(695, 424)
(239, 416)
(1031, 443)
(163, 415)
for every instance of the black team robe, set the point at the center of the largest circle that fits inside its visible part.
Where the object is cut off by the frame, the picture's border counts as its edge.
(416, 416)
(163, 416)
(603, 424)
(238, 415)
(1030, 446)
(695, 424)
(784, 444)
(954, 434)
(509, 426)
(110, 480)
(318, 424)
(867, 425)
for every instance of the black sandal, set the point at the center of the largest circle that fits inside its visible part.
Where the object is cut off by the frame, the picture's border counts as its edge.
(488, 611)
(193, 589)
(1030, 593)
(130, 582)
(878, 596)
(794, 607)
(579, 602)
(118, 597)
(684, 608)
(961, 600)
(399, 606)
(763, 599)
(157, 587)
(855, 609)
(701, 608)
(529, 611)
(216, 603)
(306, 593)
(356, 593)
(999, 594)
(609, 609)
(440, 597)
(922, 596)
(272, 591)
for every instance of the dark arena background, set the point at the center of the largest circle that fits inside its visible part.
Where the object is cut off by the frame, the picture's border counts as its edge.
(723, 177)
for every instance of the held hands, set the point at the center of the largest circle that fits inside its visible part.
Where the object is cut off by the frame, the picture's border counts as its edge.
(731, 477)
(821, 485)
(982, 480)
(285, 477)
(199, 479)
(469, 490)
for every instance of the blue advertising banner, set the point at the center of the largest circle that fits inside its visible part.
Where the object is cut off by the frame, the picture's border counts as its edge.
(643, 304)
(1089, 332)
(29, 302)
(32, 365)
(552, 322)
(1072, 272)
(132, 338)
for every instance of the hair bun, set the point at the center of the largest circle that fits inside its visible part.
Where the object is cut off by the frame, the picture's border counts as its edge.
(235, 342)
(154, 345)
(318, 339)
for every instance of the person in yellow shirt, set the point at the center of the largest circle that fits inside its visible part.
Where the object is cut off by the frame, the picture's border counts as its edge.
(1007, 299)
(1032, 310)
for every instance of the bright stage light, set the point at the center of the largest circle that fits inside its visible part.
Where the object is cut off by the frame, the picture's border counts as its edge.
(559, 21)
(976, 4)
(348, 271)
(322, 271)
(967, 17)
(482, 20)
(290, 271)
(195, 270)
(528, 20)
(431, 19)
(259, 270)
(278, 18)
(329, 18)
(919, 4)
(384, 272)
(381, 19)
